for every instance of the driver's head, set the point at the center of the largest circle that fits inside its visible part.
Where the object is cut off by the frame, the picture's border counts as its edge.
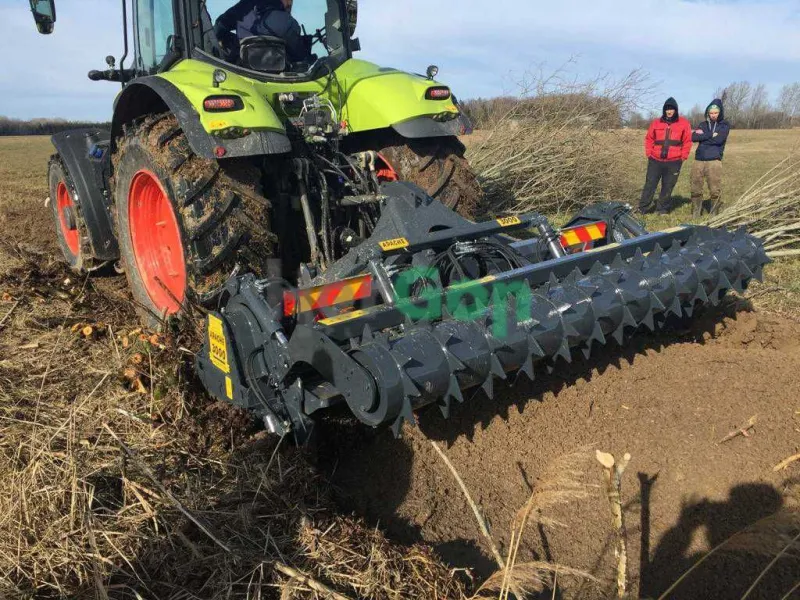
(287, 5)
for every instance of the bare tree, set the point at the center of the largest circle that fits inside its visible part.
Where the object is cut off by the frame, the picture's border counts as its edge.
(789, 102)
(757, 107)
(735, 98)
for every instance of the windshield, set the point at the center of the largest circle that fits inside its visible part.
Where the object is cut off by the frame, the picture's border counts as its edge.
(311, 29)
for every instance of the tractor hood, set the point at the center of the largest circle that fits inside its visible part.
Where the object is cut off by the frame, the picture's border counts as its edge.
(378, 97)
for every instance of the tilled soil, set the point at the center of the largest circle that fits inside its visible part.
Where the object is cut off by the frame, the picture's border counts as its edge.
(668, 400)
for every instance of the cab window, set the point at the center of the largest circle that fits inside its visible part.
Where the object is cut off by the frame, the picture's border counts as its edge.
(154, 24)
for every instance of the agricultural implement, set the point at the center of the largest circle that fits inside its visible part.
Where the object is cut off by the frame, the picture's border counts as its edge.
(317, 211)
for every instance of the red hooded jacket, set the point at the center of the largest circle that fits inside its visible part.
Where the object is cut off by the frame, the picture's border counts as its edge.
(668, 141)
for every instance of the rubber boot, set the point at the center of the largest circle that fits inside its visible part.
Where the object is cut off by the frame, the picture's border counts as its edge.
(697, 208)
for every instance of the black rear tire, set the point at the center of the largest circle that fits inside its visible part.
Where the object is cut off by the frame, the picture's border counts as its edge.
(68, 220)
(438, 166)
(219, 209)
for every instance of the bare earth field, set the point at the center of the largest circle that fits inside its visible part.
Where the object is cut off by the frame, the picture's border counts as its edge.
(668, 399)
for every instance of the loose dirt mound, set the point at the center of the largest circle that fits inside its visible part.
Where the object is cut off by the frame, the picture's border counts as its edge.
(668, 400)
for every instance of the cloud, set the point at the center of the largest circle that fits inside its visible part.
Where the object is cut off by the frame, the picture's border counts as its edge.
(481, 46)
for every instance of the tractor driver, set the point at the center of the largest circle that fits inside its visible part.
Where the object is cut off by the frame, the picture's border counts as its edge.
(263, 17)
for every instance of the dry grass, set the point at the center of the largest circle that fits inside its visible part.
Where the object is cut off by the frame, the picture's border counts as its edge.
(121, 479)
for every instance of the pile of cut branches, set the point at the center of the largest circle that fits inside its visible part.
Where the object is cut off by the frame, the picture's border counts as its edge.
(770, 209)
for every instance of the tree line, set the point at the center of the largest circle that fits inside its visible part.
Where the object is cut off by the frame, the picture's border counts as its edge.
(747, 106)
(42, 126)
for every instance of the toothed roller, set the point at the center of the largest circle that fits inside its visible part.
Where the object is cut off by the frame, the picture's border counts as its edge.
(514, 304)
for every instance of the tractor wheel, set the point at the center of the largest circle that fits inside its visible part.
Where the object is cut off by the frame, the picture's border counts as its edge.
(70, 229)
(184, 223)
(438, 166)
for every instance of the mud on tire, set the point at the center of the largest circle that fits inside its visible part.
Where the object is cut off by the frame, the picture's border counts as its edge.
(438, 166)
(73, 238)
(220, 212)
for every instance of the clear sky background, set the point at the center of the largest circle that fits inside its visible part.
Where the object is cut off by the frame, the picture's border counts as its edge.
(689, 47)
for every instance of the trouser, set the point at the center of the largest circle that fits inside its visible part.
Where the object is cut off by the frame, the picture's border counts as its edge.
(667, 173)
(706, 171)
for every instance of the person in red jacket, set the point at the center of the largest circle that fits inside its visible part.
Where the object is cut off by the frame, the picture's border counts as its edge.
(667, 144)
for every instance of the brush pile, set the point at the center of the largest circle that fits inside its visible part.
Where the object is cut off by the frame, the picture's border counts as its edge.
(554, 147)
(120, 479)
(770, 209)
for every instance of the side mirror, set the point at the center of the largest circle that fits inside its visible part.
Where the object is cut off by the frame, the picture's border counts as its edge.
(352, 16)
(263, 53)
(44, 14)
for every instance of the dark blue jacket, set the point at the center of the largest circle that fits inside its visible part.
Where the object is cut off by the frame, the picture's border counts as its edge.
(713, 137)
(265, 17)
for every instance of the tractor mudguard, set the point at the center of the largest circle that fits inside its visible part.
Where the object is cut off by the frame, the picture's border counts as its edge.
(86, 157)
(153, 94)
(426, 127)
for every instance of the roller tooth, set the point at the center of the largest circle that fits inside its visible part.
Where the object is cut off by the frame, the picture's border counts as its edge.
(745, 271)
(648, 322)
(627, 318)
(409, 387)
(497, 367)
(527, 368)
(741, 232)
(534, 349)
(564, 352)
(454, 390)
(656, 302)
(397, 427)
(758, 274)
(618, 262)
(619, 334)
(444, 406)
(597, 269)
(382, 339)
(657, 252)
(587, 351)
(597, 335)
(675, 309)
(488, 387)
(736, 285)
(569, 330)
(689, 309)
(701, 293)
(366, 335)
(408, 411)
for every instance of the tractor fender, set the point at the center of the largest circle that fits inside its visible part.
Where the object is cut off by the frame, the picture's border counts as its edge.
(86, 157)
(155, 94)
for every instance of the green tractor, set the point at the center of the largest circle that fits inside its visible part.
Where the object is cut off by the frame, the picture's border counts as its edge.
(320, 212)
(210, 157)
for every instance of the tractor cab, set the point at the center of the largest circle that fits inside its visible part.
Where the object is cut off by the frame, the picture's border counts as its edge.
(268, 40)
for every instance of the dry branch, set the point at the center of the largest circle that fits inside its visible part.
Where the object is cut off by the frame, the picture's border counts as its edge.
(743, 431)
(305, 579)
(613, 472)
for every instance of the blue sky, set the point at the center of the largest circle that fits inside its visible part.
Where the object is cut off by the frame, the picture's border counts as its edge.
(482, 47)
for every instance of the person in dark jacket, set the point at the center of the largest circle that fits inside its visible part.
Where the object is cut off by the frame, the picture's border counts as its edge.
(262, 17)
(667, 144)
(712, 134)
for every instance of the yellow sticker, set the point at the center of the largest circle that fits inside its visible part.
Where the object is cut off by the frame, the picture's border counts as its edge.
(394, 244)
(219, 124)
(229, 388)
(218, 347)
(508, 221)
(343, 317)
